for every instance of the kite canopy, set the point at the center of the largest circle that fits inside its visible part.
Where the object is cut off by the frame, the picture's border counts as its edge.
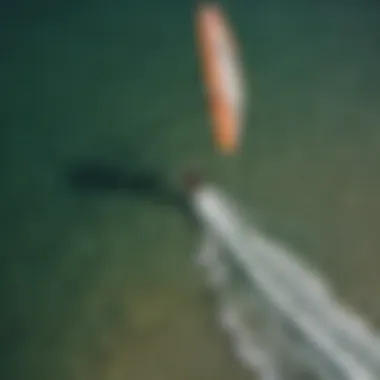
(222, 76)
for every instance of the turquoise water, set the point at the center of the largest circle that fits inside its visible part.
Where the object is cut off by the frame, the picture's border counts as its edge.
(102, 285)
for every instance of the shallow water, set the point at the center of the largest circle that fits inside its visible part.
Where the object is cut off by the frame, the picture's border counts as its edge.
(102, 285)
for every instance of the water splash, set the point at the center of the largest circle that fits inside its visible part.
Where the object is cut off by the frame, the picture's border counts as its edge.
(283, 320)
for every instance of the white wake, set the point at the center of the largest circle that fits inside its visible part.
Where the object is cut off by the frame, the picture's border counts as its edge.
(283, 320)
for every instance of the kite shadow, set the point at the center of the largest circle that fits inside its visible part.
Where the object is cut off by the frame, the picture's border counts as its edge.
(100, 178)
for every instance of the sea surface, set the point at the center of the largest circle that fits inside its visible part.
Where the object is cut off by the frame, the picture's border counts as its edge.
(101, 283)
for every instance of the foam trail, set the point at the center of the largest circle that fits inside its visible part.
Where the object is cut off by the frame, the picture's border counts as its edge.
(282, 318)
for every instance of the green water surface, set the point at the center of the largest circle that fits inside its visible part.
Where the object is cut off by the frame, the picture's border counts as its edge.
(103, 285)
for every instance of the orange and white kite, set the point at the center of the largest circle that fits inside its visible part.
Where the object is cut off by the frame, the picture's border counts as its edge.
(222, 76)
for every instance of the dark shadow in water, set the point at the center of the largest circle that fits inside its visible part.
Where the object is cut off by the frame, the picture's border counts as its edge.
(101, 178)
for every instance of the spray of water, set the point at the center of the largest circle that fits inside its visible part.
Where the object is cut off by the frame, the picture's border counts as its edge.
(283, 320)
